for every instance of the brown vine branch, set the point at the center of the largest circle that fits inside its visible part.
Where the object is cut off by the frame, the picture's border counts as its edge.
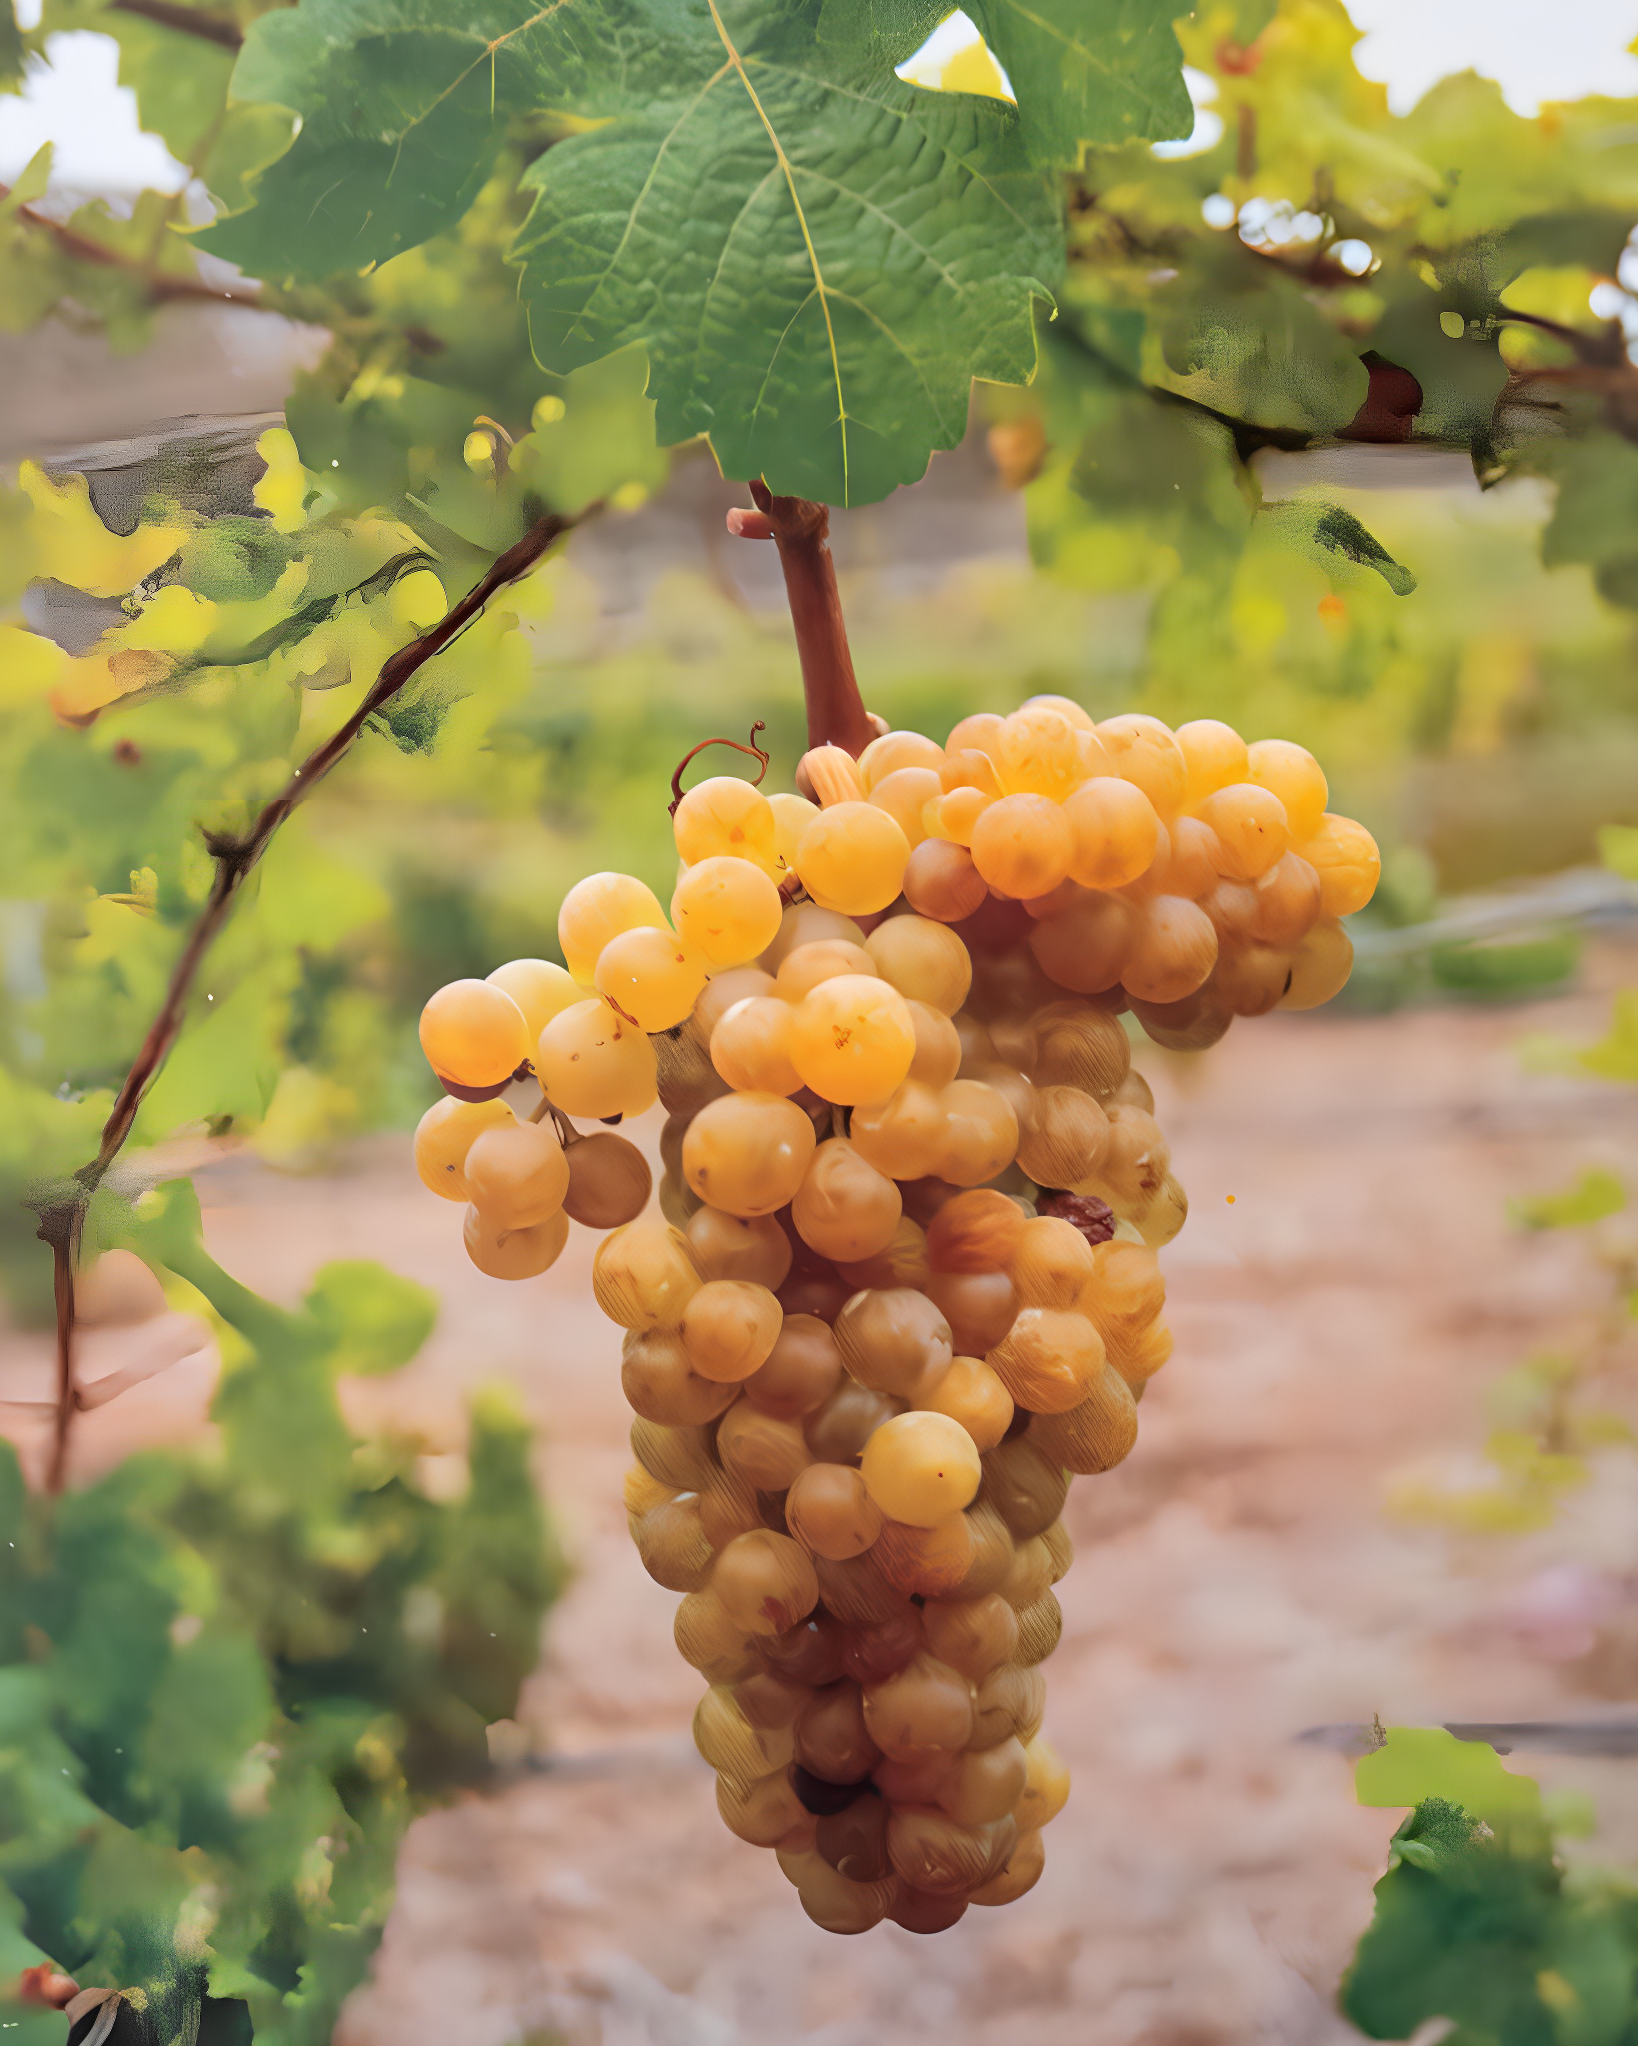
(753, 749)
(801, 530)
(62, 1222)
(162, 286)
(190, 21)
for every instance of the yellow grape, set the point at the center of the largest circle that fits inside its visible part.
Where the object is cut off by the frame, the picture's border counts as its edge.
(1116, 832)
(540, 989)
(852, 1039)
(953, 818)
(1023, 845)
(973, 1635)
(514, 1253)
(830, 1512)
(599, 908)
(902, 1261)
(792, 815)
(474, 1034)
(746, 1153)
(766, 1583)
(980, 1133)
(1251, 828)
(805, 966)
(724, 1246)
(1289, 897)
(833, 775)
(894, 751)
(1252, 978)
(1320, 966)
(1191, 862)
(1144, 751)
(643, 1276)
(653, 977)
(592, 1062)
(979, 733)
(987, 1783)
(893, 1340)
(1066, 707)
(446, 1133)
(969, 769)
(1037, 753)
(516, 1176)
(1084, 947)
(924, 960)
(941, 881)
(976, 1232)
(1296, 777)
(937, 1057)
(979, 1306)
(845, 1209)
(725, 816)
(767, 1454)
(921, 1467)
(751, 1046)
(1046, 1786)
(609, 1181)
(1214, 755)
(1172, 951)
(728, 910)
(729, 1328)
(723, 990)
(1345, 857)
(971, 1394)
(904, 795)
(902, 1136)
(1019, 1874)
(852, 858)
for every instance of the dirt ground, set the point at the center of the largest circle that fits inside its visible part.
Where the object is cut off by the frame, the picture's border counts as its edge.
(1237, 1581)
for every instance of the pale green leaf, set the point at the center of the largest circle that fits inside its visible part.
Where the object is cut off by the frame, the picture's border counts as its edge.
(375, 1320)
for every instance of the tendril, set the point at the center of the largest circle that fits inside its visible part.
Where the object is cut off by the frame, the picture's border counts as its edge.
(755, 751)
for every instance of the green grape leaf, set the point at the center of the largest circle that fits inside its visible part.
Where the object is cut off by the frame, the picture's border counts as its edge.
(1084, 72)
(1618, 849)
(1596, 1193)
(31, 181)
(374, 1319)
(817, 257)
(1415, 1763)
(11, 48)
(1332, 530)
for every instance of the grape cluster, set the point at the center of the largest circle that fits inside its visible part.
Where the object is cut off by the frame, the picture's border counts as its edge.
(903, 1281)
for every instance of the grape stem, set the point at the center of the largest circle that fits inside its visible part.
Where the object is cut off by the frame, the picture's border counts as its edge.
(801, 531)
(62, 1214)
(756, 752)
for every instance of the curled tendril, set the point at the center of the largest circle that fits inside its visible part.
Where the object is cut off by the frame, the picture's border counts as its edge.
(755, 751)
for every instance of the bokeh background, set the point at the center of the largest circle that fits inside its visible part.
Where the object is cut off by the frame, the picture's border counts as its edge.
(1389, 1473)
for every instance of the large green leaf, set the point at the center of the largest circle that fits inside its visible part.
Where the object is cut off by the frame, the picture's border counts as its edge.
(817, 257)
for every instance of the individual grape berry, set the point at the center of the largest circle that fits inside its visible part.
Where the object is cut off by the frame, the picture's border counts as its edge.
(540, 989)
(978, 1231)
(746, 1153)
(1145, 752)
(766, 1583)
(852, 858)
(980, 1133)
(979, 1306)
(805, 966)
(1023, 845)
(986, 1783)
(1345, 857)
(904, 1135)
(1251, 826)
(515, 1253)
(845, 1209)
(802, 1370)
(830, 1512)
(1046, 1785)
(1037, 753)
(1049, 1359)
(592, 1062)
(516, 1174)
(1214, 755)
(727, 910)
(1084, 946)
(1115, 831)
(924, 1708)
(924, 960)
(474, 1035)
(722, 991)
(599, 908)
(650, 976)
(972, 1635)
(905, 795)
(662, 1385)
(1173, 949)
(792, 816)
(609, 1181)
(852, 1039)
(729, 1328)
(940, 881)
(926, 1562)
(1320, 966)
(921, 1467)
(895, 751)
(727, 1246)
(643, 1276)
(768, 1454)
(751, 1046)
(1289, 898)
(725, 816)
(937, 1058)
(1296, 777)
(805, 923)
(1019, 1874)
(894, 1341)
(444, 1136)
(837, 1431)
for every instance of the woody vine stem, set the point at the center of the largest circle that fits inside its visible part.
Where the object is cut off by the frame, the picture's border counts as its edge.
(836, 715)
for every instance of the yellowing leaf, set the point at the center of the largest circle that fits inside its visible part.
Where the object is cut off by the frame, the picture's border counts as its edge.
(71, 543)
(173, 621)
(284, 485)
(29, 665)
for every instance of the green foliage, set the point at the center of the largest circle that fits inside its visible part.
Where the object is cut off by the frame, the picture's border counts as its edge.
(1476, 1921)
(227, 1682)
(1597, 1193)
